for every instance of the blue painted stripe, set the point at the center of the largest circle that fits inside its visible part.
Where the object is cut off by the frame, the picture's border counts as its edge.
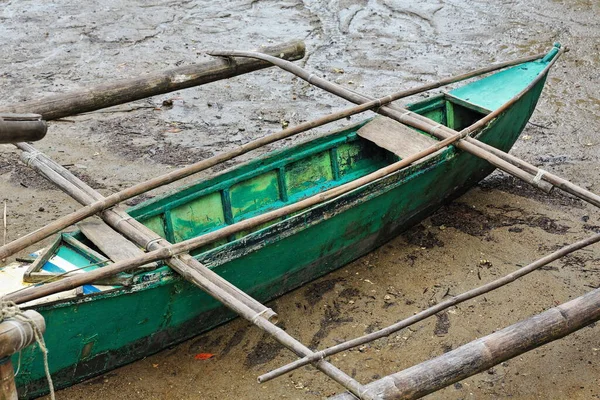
(87, 289)
(52, 268)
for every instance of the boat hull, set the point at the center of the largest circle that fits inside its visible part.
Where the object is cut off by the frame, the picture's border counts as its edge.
(93, 334)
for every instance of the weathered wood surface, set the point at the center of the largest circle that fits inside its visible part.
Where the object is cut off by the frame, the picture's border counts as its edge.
(8, 389)
(484, 353)
(124, 91)
(111, 243)
(16, 334)
(16, 128)
(395, 137)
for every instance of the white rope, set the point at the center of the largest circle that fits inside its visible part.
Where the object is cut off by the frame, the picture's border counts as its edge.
(9, 309)
(258, 315)
(538, 177)
(31, 156)
(151, 242)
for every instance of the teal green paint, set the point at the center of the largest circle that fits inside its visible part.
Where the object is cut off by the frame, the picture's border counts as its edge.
(493, 91)
(308, 173)
(198, 216)
(75, 257)
(156, 224)
(254, 194)
(133, 322)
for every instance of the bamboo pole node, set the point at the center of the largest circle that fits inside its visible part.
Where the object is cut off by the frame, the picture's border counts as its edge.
(435, 128)
(126, 218)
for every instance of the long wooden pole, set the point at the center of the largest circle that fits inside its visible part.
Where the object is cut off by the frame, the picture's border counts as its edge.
(107, 95)
(555, 180)
(98, 206)
(513, 276)
(188, 267)
(507, 162)
(484, 353)
(15, 335)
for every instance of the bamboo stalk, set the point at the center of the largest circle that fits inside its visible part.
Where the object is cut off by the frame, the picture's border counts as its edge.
(410, 118)
(124, 91)
(61, 223)
(420, 316)
(196, 273)
(205, 164)
(5, 229)
(15, 335)
(484, 353)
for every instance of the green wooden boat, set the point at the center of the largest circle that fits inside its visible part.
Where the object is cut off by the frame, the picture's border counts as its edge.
(100, 327)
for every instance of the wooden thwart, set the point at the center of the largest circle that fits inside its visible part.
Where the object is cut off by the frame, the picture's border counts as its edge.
(395, 137)
(110, 242)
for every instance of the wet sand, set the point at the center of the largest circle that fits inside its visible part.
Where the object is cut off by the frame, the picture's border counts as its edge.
(376, 47)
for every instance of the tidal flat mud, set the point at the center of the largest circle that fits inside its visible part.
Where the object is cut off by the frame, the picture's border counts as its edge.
(376, 47)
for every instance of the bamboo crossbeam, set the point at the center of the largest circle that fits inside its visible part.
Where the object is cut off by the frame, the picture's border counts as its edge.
(188, 267)
(484, 353)
(98, 206)
(15, 335)
(410, 118)
(420, 316)
(124, 91)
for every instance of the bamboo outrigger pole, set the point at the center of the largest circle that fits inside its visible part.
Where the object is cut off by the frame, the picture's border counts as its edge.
(420, 316)
(100, 205)
(21, 127)
(71, 282)
(131, 228)
(484, 353)
(124, 91)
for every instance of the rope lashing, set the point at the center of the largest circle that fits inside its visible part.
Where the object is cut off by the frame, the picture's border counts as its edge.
(8, 310)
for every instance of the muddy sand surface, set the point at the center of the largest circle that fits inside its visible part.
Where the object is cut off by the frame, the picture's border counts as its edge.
(375, 47)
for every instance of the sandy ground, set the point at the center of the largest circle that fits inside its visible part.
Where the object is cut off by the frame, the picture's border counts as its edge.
(376, 47)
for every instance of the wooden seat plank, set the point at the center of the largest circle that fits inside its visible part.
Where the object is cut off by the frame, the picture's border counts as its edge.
(110, 242)
(395, 137)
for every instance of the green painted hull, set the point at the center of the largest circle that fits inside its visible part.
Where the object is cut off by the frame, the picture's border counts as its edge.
(89, 335)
